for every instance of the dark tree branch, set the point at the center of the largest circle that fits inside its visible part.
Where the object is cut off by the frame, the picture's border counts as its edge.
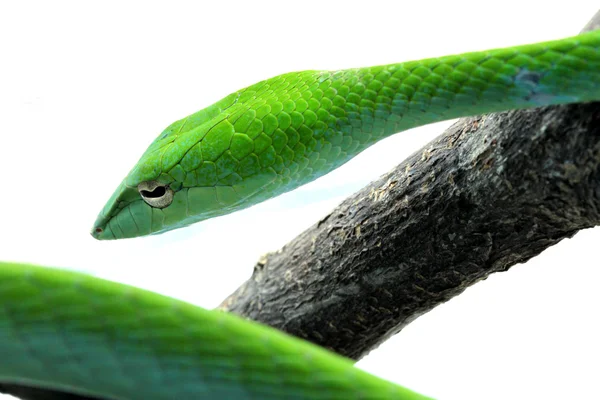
(489, 193)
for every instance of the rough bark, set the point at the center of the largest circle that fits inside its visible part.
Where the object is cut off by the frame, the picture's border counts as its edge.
(489, 193)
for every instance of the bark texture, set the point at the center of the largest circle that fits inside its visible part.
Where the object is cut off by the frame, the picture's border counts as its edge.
(489, 193)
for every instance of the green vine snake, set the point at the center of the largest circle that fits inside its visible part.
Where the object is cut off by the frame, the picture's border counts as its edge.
(74, 333)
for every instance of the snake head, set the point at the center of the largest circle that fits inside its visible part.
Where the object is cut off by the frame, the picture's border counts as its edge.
(186, 175)
(226, 157)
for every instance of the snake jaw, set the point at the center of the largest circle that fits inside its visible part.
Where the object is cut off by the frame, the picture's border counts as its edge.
(101, 230)
(121, 200)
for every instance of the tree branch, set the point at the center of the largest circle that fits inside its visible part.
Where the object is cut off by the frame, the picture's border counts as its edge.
(491, 192)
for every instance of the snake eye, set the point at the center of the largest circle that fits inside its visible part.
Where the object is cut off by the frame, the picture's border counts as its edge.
(156, 194)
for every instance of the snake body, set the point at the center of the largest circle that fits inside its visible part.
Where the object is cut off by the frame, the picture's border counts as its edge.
(283, 132)
(74, 333)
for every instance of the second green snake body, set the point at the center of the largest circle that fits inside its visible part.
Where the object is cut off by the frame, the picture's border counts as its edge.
(281, 133)
(67, 331)
(74, 333)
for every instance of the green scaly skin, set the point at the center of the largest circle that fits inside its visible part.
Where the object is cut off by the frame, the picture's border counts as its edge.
(74, 333)
(281, 133)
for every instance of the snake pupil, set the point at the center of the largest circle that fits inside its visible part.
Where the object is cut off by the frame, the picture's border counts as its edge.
(154, 194)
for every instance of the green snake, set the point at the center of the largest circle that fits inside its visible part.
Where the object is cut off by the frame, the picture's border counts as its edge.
(69, 332)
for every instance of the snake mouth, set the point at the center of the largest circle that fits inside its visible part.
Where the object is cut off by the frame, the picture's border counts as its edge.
(127, 220)
(106, 225)
(97, 232)
(102, 233)
(101, 229)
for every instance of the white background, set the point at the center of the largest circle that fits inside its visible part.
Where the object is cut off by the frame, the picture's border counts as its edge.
(86, 86)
